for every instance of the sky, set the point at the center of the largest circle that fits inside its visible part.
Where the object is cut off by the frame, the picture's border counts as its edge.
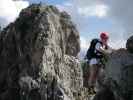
(90, 16)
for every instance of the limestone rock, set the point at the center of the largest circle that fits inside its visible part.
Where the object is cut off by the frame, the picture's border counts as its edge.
(129, 44)
(119, 70)
(38, 56)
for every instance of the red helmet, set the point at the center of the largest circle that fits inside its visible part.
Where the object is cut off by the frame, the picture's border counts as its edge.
(104, 35)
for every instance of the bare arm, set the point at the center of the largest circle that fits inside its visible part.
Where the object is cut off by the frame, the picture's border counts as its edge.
(105, 51)
(100, 48)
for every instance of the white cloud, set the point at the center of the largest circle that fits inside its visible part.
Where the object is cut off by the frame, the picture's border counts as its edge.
(21, 4)
(68, 7)
(91, 8)
(9, 10)
(84, 43)
(121, 12)
(68, 4)
(118, 44)
(94, 10)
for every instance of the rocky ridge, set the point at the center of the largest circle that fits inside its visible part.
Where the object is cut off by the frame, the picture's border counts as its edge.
(119, 73)
(38, 57)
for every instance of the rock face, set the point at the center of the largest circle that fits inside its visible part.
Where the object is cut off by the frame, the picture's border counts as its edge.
(119, 70)
(129, 44)
(38, 56)
(119, 75)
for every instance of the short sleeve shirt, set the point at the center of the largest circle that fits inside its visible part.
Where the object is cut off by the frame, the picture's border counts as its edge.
(98, 46)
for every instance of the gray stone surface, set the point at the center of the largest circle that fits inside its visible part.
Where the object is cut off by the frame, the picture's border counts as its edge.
(129, 44)
(119, 75)
(38, 56)
(119, 70)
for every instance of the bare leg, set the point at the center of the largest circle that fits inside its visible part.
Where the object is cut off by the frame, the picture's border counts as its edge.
(94, 71)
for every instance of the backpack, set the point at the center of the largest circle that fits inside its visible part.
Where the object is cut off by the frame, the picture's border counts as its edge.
(91, 51)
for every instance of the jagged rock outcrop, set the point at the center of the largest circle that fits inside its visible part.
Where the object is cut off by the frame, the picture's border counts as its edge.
(119, 70)
(129, 44)
(38, 56)
(119, 73)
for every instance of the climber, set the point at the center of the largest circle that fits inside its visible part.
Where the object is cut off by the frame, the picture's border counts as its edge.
(96, 52)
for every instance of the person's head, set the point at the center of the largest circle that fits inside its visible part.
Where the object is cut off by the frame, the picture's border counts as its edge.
(104, 37)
